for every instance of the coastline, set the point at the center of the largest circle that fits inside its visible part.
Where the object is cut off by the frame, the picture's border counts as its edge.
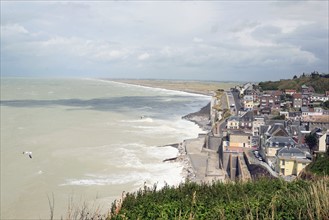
(194, 87)
(190, 151)
(201, 118)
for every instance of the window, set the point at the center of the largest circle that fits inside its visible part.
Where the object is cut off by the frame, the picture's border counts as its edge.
(283, 162)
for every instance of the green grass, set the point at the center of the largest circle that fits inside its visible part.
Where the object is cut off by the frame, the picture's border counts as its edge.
(261, 199)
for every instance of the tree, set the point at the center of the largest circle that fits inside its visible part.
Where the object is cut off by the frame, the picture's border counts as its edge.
(295, 77)
(311, 141)
(325, 105)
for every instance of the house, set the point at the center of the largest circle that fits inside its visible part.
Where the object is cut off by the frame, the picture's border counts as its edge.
(246, 86)
(273, 144)
(305, 100)
(323, 140)
(266, 101)
(297, 100)
(315, 121)
(265, 111)
(294, 115)
(276, 129)
(306, 90)
(246, 120)
(319, 97)
(248, 102)
(306, 111)
(257, 123)
(290, 161)
(233, 122)
(295, 133)
(290, 91)
(276, 94)
(238, 140)
(254, 94)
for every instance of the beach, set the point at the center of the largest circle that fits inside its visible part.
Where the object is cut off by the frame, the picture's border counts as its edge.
(198, 87)
(199, 163)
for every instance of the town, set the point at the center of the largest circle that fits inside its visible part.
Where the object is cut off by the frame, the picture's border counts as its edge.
(256, 132)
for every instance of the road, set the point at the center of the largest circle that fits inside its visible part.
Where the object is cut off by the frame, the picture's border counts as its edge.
(237, 101)
(231, 102)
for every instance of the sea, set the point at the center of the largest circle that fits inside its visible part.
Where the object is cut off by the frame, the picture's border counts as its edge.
(91, 140)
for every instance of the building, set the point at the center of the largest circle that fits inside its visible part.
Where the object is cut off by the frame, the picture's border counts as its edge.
(290, 161)
(319, 97)
(257, 123)
(296, 116)
(246, 120)
(306, 90)
(273, 144)
(238, 140)
(315, 121)
(248, 102)
(290, 91)
(266, 101)
(323, 140)
(233, 122)
(305, 100)
(297, 100)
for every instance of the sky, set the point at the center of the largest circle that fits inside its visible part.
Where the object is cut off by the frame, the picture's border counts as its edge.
(191, 40)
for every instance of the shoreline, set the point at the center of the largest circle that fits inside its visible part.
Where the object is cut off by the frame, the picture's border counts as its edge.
(200, 118)
(206, 88)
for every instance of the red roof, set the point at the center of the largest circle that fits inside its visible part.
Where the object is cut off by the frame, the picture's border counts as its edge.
(277, 92)
(290, 90)
(297, 96)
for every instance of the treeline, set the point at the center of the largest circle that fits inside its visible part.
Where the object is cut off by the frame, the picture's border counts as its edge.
(262, 199)
(320, 83)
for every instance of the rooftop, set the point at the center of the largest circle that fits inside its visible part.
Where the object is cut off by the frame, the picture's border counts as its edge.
(316, 118)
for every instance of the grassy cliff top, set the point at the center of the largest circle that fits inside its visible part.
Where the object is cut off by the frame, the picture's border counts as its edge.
(261, 199)
(320, 83)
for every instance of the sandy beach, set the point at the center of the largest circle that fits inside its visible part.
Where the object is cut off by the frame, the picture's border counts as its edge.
(199, 87)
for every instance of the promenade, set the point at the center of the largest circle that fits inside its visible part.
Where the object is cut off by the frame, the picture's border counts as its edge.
(204, 162)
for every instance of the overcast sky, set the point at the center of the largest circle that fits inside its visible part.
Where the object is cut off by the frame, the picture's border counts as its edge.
(213, 40)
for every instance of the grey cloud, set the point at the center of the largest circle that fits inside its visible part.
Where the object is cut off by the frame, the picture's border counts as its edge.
(150, 39)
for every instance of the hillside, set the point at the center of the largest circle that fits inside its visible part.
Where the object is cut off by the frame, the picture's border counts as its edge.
(320, 83)
(318, 168)
(262, 199)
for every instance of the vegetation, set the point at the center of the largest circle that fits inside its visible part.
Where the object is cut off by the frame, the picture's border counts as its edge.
(311, 141)
(261, 199)
(320, 166)
(325, 105)
(279, 117)
(320, 83)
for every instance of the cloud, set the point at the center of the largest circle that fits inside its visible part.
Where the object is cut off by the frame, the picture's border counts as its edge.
(197, 40)
(192, 40)
(13, 29)
(143, 56)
